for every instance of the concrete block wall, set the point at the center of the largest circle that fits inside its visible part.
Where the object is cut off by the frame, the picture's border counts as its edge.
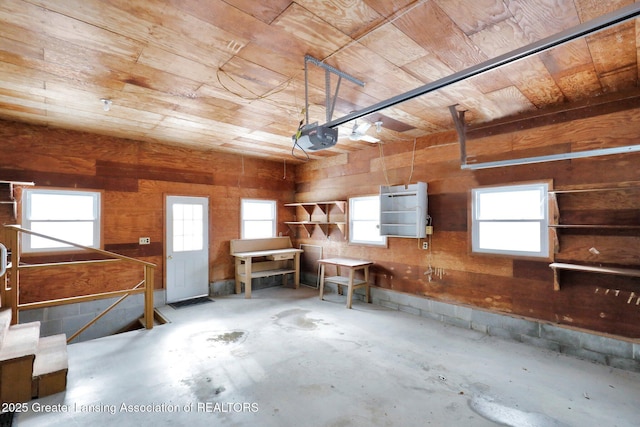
(227, 287)
(617, 353)
(69, 318)
(224, 287)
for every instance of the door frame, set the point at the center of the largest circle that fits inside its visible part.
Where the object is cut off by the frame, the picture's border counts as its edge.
(165, 249)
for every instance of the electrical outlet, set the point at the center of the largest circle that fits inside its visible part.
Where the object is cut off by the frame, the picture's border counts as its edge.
(425, 245)
(429, 230)
(145, 240)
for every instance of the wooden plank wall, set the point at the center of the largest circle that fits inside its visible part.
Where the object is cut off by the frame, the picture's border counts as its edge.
(601, 303)
(135, 177)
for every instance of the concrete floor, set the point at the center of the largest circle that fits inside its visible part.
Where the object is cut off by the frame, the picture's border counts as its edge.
(285, 358)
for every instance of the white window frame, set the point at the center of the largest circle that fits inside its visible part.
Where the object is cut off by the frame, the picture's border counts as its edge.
(28, 222)
(243, 221)
(375, 217)
(541, 218)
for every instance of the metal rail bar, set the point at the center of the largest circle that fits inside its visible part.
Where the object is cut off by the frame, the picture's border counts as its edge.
(602, 22)
(552, 157)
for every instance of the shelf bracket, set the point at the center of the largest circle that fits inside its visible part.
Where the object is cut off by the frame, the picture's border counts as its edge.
(309, 228)
(556, 279)
(324, 207)
(309, 210)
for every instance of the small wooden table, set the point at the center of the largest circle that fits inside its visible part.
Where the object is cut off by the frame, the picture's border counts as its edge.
(353, 265)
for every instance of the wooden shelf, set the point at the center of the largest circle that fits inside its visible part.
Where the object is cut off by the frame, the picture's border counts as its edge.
(608, 226)
(594, 190)
(589, 229)
(313, 222)
(343, 280)
(309, 226)
(629, 272)
(325, 207)
(268, 273)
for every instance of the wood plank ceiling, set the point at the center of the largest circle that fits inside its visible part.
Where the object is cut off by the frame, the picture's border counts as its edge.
(228, 75)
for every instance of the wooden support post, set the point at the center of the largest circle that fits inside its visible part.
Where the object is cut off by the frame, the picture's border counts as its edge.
(148, 296)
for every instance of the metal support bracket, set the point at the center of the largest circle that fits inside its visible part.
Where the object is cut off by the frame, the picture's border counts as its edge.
(461, 128)
(330, 101)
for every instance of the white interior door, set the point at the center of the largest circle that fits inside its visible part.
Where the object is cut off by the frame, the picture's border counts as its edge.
(187, 247)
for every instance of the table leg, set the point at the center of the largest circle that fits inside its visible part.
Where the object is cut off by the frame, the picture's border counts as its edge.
(350, 288)
(339, 285)
(296, 266)
(321, 280)
(366, 286)
(247, 278)
(238, 280)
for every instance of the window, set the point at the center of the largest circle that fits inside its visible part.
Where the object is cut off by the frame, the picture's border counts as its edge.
(511, 220)
(258, 218)
(188, 227)
(69, 215)
(364, 221)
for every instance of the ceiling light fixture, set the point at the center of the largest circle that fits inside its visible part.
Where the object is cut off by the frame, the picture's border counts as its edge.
(106, 104)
